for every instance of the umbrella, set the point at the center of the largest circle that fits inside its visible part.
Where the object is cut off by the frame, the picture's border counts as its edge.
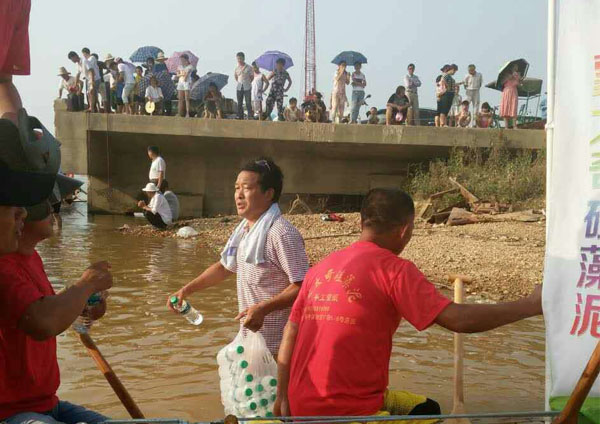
(531, 87)
(200, 87)
(350, 58)
(174, 61)
(506, 69)
(267, 60)
(164, 82)
(143, 53)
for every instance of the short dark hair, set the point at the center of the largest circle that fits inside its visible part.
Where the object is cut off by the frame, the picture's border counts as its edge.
(85, 50)
(455, 66)
(72, 54)
(486, 105)
(410, 64)
(139, 67)
(269, 175)
(400, 87)
(465, 103)
(154, 149)
(384, 209)
(96, 56)
(293, 99)
(280, 60)
(185, 56)
(240, 54)
(255, 64)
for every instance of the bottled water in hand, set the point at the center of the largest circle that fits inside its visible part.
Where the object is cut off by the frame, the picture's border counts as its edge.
(191, 314)
(83, 322)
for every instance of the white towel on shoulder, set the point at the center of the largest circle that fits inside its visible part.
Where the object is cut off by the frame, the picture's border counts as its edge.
(255, 242)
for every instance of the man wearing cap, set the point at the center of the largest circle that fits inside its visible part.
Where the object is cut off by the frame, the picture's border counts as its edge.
(157, 211)
(126, 75)
(31, 316)
(265, 251)
(69, 84)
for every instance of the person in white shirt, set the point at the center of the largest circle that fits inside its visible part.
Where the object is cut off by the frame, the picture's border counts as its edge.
(244, 74)
(158, 168)
(172, 200)
(359, 82)
(184, 84)
(154, 94)
(126, 75)
(157, 211)
(412, 84)
(87, 68)
(69, 84)
(473, 82)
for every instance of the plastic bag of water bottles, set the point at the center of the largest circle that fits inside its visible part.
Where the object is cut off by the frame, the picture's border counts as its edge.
(248, 376)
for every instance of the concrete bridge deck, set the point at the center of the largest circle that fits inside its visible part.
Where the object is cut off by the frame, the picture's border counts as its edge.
(203, 156)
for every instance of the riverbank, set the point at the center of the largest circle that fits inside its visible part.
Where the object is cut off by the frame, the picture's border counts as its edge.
(504, 259)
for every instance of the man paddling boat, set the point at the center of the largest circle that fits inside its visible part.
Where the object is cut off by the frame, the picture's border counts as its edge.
(265, 251)
(335, 353)
(31, 316)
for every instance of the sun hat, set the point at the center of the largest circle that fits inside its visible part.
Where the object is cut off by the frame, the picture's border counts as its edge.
(109, 58)
(63, 71)
(160, 57)
(150, 187)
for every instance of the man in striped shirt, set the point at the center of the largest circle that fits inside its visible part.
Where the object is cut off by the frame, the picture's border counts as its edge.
(267, 286)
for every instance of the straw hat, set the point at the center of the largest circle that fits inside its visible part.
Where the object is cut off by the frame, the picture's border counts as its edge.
(63, 71)
(109, 58)
(150, 187)
(161, 57)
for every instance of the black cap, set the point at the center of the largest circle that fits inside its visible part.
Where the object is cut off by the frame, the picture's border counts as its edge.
(29, 161)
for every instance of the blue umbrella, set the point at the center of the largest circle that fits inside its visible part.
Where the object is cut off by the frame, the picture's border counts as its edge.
(350, 58)
(200, 87)
(165, 82)
(143, 53)
(267, 60)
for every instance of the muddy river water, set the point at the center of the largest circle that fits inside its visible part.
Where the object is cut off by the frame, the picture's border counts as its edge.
(169, 365)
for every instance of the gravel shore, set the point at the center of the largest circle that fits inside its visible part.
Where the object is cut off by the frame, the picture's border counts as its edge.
(504, 259)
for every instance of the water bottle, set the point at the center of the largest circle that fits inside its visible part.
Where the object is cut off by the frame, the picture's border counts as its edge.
(191, 314)
(247, 377)
(249, 408)
(268, 381)
(242, 394)
(234, 352)
(83, 323)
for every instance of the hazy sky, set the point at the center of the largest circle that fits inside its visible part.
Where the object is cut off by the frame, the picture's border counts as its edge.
(391, 33)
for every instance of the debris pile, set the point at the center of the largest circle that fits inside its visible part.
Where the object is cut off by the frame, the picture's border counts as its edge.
(469, 209)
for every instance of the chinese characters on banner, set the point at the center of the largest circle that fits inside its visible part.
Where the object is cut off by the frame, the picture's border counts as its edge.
(571, 297)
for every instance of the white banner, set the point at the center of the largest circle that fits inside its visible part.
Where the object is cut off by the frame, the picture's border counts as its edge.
(572, 269)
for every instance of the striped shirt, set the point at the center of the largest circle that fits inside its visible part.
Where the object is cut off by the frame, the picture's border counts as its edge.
(285, 263)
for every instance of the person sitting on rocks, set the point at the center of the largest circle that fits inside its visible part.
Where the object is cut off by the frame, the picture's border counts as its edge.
(157, 211)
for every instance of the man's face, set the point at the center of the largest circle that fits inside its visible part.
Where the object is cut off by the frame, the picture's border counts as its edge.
(279, 66)
(150, 194)
(357, 67)
(150, 64)
(75, 59)
(250, 201)
(400, 91)
(411, 70)
(11, 228)
(39, 230)
(240, 60)
(472, 70)
(293, 105)
(86, 55)
(151, 155)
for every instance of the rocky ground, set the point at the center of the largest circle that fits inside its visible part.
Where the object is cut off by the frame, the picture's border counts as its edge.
(504, 259)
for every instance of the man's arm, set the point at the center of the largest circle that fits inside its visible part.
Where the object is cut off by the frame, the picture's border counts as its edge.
(213, 275)
(289, 80)
(255, 315)
(475, 318)
(284, 359)
(161, 177)
(51, 315)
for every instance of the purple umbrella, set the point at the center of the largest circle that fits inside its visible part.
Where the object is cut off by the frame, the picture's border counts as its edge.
(174, 61)
(267, 60)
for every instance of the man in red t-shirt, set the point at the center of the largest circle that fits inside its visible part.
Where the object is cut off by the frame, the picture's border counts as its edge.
(31, 316)
(335, 353)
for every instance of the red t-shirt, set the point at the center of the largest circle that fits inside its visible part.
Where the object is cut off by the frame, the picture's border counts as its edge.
(29, 375)
(348, 310)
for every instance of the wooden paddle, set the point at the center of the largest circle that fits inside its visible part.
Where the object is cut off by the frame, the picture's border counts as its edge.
(570, 413)
(459, 390)
(110, 376)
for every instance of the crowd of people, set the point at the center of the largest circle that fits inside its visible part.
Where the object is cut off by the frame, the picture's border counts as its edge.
(114, 85)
